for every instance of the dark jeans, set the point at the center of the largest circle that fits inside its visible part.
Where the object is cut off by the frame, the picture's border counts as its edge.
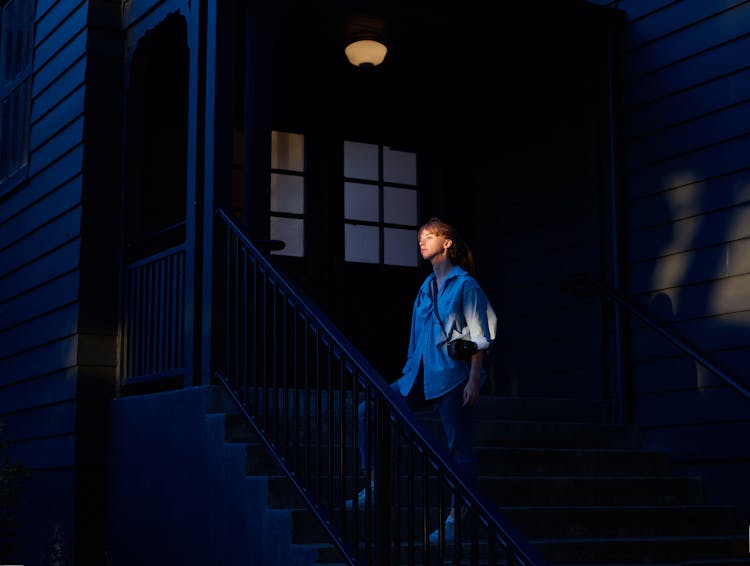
(456, 419)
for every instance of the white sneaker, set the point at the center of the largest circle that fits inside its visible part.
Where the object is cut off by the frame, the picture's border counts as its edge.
(450, 532)
(361, 498)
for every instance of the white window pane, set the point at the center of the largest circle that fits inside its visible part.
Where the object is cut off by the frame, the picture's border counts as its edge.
(361, 244)
(399, 166)
(361, 160)
(287, 151)
(287, 193)
(399, 247)
(291, 232)
(399, 206)
(361, 202)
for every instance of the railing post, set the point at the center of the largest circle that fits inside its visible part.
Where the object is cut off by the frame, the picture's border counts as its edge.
(383, 480)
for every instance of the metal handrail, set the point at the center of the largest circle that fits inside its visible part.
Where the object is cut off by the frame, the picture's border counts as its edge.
(263, 309)
(580, 282)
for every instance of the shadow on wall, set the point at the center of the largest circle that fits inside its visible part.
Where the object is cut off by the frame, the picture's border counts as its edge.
(690, 255)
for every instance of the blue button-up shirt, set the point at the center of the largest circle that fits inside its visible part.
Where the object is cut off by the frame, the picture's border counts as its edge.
(466, 313)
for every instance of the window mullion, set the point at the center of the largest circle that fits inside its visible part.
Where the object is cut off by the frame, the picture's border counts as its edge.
(15, 121)
(381, 205)
(387, 208)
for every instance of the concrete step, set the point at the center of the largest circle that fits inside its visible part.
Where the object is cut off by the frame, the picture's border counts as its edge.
(638, 549)
(571, 462)
(626, 521)
(551, 491)
(605, 522)
(551, 434)
(488, 432)
(511, 461)
(594, 490)
(311, 403)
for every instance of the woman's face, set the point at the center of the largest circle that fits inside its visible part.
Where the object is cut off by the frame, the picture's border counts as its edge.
(432, 245)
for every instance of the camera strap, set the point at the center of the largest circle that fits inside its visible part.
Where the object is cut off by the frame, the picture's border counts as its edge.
(433, 296)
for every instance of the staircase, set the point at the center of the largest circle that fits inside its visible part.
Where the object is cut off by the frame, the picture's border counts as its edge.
(578, 486)
(584, 492)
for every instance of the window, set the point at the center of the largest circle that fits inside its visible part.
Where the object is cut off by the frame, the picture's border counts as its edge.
(16, 50)
(380, 205)
(288, 192)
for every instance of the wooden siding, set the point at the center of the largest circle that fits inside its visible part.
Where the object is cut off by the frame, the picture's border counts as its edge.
(59, 233)
(686, 130)
(40, 223)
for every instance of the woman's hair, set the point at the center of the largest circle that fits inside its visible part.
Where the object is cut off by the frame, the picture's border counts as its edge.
(459, 253)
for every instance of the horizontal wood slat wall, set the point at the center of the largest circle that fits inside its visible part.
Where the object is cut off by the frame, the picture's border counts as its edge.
(686, 120)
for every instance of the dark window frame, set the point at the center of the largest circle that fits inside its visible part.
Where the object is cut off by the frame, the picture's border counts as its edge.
(301, 216)
(380, 224)
(16, 69)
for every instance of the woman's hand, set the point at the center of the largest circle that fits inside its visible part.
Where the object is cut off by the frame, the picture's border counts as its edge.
(471, 390)
(471, 393)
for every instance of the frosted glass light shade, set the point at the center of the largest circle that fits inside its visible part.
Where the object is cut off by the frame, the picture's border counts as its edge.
(366, 53)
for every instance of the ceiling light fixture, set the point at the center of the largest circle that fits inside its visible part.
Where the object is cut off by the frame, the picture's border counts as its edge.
(366, 53)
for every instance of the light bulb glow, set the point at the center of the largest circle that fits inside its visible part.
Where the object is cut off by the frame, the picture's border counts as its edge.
(366, 53)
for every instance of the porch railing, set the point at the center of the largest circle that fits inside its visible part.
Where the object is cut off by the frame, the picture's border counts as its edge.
(585, 285)
(298, 382)
(153, 317)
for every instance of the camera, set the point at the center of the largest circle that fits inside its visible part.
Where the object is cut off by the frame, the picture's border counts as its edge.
(461, 349)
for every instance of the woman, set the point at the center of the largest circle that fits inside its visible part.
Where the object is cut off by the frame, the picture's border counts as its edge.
(450, 306)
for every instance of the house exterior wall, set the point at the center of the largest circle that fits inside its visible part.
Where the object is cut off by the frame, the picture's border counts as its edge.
(685, 184)
(685, 113)
(60, 245)
(59, 228)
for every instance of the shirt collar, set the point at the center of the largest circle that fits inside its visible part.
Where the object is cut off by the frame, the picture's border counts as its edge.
(457, 271)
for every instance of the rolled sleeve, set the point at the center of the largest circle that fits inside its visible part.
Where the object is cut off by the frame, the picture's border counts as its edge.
(481, 320)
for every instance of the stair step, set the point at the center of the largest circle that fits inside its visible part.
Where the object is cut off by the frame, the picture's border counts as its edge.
(555, 409)
(580, 531)
(494, 430)
(718, 562)
(573, 523)
(554, 434)
(496, 407)
(595, 490)
(325, 553)
(219, 401)
(626, 521)
(523, 461)
(560, 470)
(521, 435)
(637, 549)
(570, 462)
(539, 409)
(565, 491)
(693, 550)
(548, 434)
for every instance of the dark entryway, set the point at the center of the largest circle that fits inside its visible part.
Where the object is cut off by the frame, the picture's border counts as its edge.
(508, 115)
